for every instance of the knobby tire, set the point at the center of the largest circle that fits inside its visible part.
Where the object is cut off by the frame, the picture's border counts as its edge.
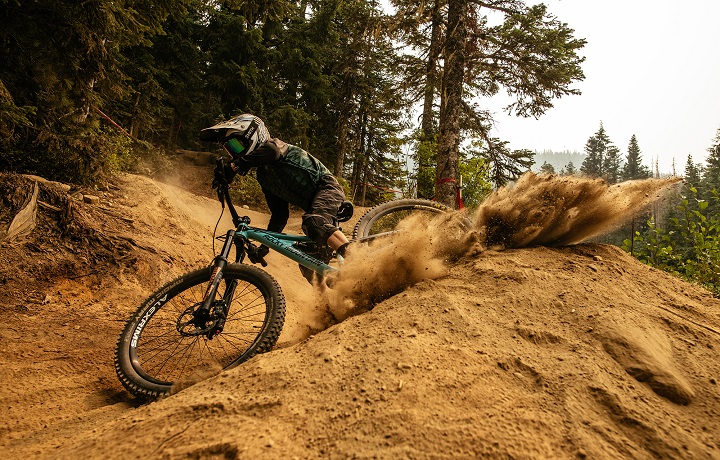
(152, 354)
(384, 217)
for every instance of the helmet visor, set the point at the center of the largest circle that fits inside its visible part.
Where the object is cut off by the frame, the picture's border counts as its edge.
(234, 146)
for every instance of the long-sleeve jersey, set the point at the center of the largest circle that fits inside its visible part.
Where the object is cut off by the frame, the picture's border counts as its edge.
(287, 174)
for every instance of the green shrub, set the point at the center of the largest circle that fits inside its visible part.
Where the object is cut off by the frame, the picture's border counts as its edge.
(245, 190)
(689, 246)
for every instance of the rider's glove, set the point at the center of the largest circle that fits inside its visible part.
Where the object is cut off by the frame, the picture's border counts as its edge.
(223, 175)
(229, 172)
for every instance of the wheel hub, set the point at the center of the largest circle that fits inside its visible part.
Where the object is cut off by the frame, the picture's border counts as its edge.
(195, 321)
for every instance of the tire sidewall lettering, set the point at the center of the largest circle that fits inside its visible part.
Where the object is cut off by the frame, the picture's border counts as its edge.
(144, 320)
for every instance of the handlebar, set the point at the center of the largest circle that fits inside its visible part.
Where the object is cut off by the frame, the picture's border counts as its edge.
(223, 190)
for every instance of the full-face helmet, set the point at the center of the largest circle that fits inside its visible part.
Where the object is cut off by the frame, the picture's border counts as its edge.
(240, 135)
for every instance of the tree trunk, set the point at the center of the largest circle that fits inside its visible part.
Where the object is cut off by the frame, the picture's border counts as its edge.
(365, 178)
(342, 146)
(451, 104)
(427, 124)
(426, 156)
(24, 221)
(133, 117)
(358, 164)
(171, 133)
(360, 157)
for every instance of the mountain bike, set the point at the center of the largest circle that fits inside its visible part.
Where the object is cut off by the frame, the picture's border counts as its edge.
(226, 313)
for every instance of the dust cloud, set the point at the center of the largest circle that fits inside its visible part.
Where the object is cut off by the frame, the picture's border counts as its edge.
(419, 250)
(547, 210)
(538, 210)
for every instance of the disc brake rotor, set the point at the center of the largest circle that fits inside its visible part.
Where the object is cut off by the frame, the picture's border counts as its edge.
(193, 323)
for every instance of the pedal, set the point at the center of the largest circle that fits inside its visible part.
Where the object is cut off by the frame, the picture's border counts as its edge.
(257, 255)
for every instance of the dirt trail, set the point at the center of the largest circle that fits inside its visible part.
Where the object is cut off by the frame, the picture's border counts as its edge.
(540, 352)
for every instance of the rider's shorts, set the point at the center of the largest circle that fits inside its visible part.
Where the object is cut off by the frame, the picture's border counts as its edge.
(321, 220)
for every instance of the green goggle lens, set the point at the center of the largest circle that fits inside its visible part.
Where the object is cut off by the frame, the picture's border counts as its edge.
(234, 146)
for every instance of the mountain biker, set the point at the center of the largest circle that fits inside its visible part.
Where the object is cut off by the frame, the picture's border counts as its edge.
(287, 175)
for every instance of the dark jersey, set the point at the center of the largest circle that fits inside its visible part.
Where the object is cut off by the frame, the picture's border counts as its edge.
(286, 171)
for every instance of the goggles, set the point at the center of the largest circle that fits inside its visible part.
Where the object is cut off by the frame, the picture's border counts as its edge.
(234, 146)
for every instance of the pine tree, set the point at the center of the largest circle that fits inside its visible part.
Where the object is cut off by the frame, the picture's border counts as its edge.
(612, 165)
(420, 26)
(568, 170)
(711, 178)
(506, 164)
(168, 102)
(547, 168)
(692, 192)
(603, 158)
(693, 172)
(633, 168)
(531, 55)
(451, 104)
(64, 60)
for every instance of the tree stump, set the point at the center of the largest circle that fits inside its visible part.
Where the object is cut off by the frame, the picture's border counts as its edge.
(24, 221)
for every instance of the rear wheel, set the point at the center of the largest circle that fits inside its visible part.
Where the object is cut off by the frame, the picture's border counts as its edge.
(163, 342)
(385, 217)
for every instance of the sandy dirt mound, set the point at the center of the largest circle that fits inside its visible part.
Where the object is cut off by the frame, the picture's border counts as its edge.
(539, 352)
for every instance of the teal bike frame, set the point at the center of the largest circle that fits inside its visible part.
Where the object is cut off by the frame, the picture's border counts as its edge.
(283, 243)
(212, 313)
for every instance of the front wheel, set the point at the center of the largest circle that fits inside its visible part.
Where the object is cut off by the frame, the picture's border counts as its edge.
(385, 217)
(159, 345)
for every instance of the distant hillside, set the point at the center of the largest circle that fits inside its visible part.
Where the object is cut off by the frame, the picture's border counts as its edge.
(558, 160)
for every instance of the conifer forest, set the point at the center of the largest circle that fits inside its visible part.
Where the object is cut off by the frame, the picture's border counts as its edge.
(390, 96)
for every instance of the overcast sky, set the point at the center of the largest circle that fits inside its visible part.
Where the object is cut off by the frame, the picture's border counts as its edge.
(652, 69)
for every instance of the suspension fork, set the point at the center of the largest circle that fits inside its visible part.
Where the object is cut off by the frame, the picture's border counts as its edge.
(208, 303)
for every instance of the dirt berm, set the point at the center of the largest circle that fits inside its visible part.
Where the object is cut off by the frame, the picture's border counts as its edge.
(513, 341)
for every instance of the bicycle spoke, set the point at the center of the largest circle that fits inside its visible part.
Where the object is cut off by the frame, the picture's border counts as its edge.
(209, 351)
(168, 349)
(170, 355)
(229, 342)
(183, 300)
(245, 292)
(152, 338)
(248, 317)
(257, 302)
(189, 355)
(159, 348)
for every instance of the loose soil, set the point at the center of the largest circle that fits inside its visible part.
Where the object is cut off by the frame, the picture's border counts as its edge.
(512, 340)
